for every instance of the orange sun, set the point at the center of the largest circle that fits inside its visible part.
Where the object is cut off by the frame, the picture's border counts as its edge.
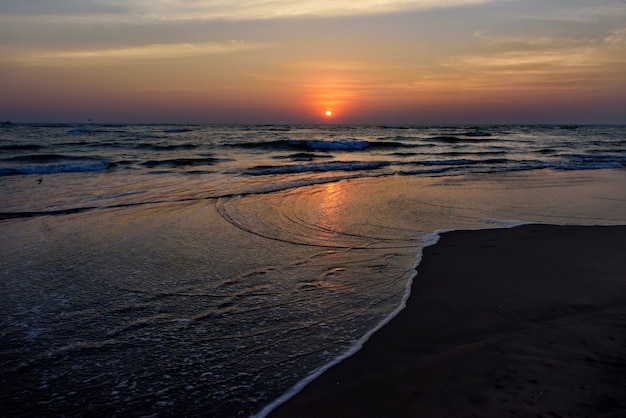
(328, 113)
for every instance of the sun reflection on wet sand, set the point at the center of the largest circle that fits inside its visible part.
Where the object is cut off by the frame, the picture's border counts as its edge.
(329, 208)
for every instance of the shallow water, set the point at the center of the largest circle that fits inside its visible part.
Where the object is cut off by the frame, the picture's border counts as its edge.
(154, 289)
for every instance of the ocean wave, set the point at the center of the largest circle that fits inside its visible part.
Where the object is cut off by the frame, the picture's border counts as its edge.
(475, 134)
(465, 138)
(334, 145)
(51, 164)
(278, 144)
(78, 130)
(180, 162)
(394, 127)
(315, 167)
(465, 161)
(20, 147)
(322, 145)
(302, 156)
(473, 153)
(593, 162)
(291, 144)
(177, 130)
(90, 130)
(173, 147)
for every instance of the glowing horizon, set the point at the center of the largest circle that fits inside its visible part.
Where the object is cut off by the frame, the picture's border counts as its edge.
(395, 61)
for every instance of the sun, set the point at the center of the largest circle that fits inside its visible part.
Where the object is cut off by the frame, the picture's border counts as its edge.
(328, 113)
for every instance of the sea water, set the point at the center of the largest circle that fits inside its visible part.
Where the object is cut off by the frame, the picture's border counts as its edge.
(209, 270)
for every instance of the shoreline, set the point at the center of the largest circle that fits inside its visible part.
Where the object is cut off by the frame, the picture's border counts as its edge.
(499, 322)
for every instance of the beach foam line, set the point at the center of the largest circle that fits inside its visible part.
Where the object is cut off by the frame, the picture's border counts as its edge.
(556, 295)
(430, 240)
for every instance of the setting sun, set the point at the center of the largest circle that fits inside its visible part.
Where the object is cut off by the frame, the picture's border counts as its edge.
(328, 113)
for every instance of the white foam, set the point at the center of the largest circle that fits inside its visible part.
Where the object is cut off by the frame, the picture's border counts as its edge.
(430, 239)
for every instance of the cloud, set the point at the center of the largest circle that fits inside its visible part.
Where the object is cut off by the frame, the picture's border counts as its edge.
(576, 11)
(263, 9)
(534, 61)
(174, 10)
(128, 54)
(64, 7)
(617, 37)
(541, 64)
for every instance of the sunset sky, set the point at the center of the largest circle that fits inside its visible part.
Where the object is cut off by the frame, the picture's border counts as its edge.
(287, 61)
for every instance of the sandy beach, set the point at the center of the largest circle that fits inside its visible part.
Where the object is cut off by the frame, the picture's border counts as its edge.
(528, 321)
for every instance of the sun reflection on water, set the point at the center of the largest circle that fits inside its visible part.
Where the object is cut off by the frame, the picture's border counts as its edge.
(329, 214)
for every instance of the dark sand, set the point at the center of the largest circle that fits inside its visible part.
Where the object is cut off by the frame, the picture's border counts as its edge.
(521, 322)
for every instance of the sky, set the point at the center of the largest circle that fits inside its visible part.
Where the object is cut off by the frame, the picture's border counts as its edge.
(287, 61)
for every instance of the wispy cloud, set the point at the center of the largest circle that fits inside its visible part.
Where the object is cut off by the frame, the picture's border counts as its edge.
(617, 37)
(263, 9)
(65, 7)
(128, 54)
(532, 61)
(174, 10)
(542, 64)
(573, 11)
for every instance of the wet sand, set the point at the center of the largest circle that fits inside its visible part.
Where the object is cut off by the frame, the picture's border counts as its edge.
(528, 321)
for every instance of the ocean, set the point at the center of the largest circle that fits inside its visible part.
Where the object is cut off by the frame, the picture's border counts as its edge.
(212, 270)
